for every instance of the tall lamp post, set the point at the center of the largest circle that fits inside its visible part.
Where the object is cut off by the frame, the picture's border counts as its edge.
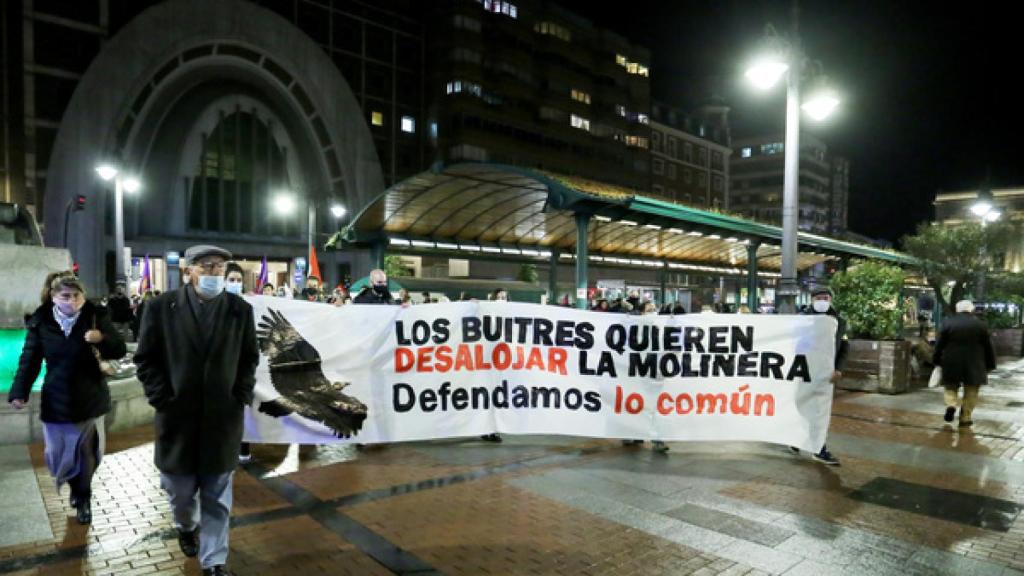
(285, 204)
(122, 183)
(986, 212)
(786, 57)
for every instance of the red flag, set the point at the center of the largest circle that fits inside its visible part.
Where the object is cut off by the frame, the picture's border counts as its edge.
(314, 266)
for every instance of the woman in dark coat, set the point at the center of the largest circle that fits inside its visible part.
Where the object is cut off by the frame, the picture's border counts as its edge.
(965, 353)
(75, 396)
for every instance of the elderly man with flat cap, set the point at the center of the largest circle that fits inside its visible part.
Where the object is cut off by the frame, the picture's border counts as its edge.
(197, 358)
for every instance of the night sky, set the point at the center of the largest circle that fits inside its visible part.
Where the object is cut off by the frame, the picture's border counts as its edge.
(928, 97)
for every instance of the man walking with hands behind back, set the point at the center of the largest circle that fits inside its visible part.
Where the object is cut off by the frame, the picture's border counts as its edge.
(965, 353)
(197, 358)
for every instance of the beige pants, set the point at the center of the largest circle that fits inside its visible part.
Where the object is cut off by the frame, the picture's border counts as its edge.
(970, 399)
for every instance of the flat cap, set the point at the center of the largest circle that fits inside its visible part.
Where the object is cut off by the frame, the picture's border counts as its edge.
(196, 252)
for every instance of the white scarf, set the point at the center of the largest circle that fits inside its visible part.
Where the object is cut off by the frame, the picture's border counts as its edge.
(66, 322)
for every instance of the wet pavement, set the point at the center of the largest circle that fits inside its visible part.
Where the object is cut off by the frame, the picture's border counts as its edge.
(913, 496)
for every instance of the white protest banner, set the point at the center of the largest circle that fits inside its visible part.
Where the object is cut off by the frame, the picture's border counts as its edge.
(363, 373)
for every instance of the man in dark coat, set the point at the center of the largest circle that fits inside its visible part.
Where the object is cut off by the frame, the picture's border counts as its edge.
(197, 358)
(965, 353)
(377, 292)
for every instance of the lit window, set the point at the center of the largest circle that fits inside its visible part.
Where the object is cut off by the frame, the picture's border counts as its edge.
(579, 122)
(408, 124)
(643, 119)
(620, 59)
(580, 96)
(773, 148)
(745, 153)
(377, 118)
(620, 110)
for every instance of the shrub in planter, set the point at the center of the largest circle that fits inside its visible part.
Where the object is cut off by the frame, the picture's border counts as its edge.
(867, 297)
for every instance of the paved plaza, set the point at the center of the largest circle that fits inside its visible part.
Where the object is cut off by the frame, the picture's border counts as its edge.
(913, 496)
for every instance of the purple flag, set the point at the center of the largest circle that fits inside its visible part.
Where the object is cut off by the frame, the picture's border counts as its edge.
(263, 275)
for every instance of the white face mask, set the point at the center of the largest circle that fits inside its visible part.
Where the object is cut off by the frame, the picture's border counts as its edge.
(233, 287)
(209, 286)
(821, 306)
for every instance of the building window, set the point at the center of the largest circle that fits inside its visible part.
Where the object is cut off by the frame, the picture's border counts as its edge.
(466, 23)
(702, 156)
(552, 29)
(408, 124)
(717, 184)
(745, 153)
(671, 171)
(620, 110)
(642, 118)
(579, 122)
(466, 55)
(687, 152)
(658, 189)
(580, 96)
(773, 148)
(631, 67)
(636, 141)
(500, 7)
(241, 168)
(457, 86)
(377, 118)
(702, 180)
(658, 166)
(687, 176)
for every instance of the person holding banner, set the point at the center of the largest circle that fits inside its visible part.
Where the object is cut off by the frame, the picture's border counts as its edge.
(196, 359)
(965, 353)
(821, 303)
(377, 292)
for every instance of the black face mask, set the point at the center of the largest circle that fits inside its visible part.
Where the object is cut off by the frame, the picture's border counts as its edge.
(381, 289)
(309, 292)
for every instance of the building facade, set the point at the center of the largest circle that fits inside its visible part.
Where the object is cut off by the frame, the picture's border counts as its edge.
(217, 107)
(220, 107)
(952, 208)
(530, 84)
(757, 169)
(690, 156)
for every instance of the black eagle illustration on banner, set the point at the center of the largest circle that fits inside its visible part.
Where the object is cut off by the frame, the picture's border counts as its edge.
(296, 373)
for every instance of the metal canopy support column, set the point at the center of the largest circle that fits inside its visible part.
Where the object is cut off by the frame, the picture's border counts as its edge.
(377, 254)
(582, 256)
(752, 277)
(663, 279)
(553, 277)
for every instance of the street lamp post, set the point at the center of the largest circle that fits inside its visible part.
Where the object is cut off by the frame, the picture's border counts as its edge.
(787, 57)
(986, 212)
(122, 183)
(285, 204)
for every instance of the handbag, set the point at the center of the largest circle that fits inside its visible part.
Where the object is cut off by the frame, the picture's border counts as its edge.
(107, 367)
(936, 378)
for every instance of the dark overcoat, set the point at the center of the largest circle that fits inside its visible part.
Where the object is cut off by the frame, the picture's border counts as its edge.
(198, 381)
(964, 351)
(74, 389)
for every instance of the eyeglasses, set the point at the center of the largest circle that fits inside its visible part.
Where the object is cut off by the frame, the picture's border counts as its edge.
(212, 266)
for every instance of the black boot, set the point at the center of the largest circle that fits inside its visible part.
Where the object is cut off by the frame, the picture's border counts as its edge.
(189, 542)
(84, 511)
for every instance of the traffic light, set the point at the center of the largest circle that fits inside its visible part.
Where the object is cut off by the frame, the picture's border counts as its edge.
(80, 202)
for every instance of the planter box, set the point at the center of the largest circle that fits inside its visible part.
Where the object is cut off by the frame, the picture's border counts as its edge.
(1008, 342)
(877, 366)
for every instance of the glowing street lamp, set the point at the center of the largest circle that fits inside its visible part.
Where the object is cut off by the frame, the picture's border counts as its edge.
(787, 58)
(122, 183)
